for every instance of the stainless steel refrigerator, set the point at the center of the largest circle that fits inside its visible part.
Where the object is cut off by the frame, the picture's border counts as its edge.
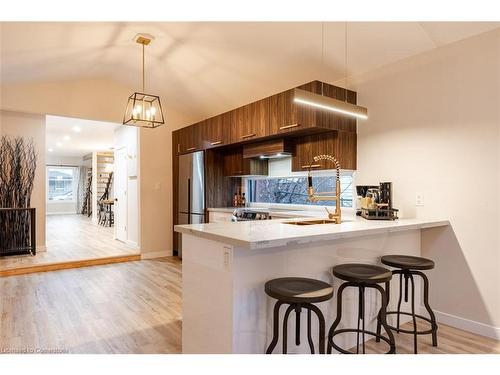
(191, 192)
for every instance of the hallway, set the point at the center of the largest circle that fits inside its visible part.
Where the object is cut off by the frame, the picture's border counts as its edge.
(71, 238)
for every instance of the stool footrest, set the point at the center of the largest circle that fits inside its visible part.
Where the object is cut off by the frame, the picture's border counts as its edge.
(392, 348)
(428, 320)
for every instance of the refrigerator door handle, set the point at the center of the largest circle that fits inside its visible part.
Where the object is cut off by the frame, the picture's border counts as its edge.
(189, 200)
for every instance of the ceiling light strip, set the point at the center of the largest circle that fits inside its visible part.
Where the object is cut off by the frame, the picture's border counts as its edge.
(329, 104)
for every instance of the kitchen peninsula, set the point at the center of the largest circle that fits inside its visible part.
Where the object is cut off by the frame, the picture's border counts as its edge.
(225, 267)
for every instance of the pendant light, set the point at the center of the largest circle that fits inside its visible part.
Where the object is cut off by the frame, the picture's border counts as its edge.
(143, 109)
(325, 102)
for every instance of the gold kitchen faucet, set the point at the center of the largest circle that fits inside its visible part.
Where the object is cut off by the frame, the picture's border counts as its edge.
(337, 216)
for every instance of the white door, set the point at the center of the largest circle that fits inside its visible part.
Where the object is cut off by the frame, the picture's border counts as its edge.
(120, 188)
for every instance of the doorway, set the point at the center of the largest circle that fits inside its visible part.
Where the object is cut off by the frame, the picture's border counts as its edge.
(91, 216)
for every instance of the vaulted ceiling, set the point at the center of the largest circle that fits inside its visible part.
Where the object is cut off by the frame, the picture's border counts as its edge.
(203, 68)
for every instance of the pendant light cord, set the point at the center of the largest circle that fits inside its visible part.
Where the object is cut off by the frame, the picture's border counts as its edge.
(143, 74)
(322, 54)
(345, 65)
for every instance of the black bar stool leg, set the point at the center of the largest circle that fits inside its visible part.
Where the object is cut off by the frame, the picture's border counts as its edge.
(434, 326)
(399, 300)
(298, 310)
(322, 324)
(413, 313)
(285, 327)
(379, 326)
(339, 316)
(309, 335)
(383, 320)
(363, 314)
(276, 327)
(360, 306)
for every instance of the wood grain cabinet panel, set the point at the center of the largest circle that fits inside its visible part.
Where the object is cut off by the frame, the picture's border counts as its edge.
(250, 121)
(340, 144)
(236, 165)
(217, 131)
(190, 138)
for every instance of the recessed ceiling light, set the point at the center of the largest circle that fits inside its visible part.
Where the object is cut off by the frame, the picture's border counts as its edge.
(66, 137)
(51, 149)
(58, 144)
(77, 129)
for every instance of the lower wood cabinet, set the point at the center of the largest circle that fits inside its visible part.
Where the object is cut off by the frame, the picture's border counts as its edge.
(236, 165)
(340, 144)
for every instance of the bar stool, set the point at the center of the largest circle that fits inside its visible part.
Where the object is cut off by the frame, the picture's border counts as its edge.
(298, 293)
(407, 267)
(361, 276)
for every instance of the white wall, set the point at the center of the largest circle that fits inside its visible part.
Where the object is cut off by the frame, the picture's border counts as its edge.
(31, 126)
(433, 127)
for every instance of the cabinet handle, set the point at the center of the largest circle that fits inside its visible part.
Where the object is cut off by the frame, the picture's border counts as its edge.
(248, 135)
(311, 166)
(216, 143)
(289, 126)
(191, 149)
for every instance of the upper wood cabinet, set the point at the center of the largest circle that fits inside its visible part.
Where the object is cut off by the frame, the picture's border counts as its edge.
(250, 121)
(340, 144)
(217, 130)
(189, 139)
(287, 116)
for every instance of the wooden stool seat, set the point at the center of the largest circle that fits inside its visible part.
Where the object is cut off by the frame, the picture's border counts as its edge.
(407, 262)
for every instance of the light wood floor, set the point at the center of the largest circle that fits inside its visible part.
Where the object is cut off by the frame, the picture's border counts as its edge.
(71, 238)
(130, 307)
(134, 307)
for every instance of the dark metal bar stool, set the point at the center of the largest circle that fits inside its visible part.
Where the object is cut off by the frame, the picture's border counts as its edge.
(407, 267)
(298, 293)
(361, 276)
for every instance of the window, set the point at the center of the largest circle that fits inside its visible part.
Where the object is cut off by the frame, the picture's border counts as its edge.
(293, 190)
(61, 182)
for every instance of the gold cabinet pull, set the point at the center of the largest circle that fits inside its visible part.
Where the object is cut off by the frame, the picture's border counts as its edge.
(289, 126)
(248, 135)
(311, 166)
(216, 143)
(191, 149)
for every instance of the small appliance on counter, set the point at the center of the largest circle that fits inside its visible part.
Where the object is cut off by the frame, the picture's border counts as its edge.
(375, 202)
(241, 214)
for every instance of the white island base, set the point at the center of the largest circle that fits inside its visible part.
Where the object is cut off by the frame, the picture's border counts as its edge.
(225, 308)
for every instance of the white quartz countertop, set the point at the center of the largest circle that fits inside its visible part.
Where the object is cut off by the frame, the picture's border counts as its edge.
(261, 234)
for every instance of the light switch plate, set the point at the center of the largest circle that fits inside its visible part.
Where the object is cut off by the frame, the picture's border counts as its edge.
(419, 199)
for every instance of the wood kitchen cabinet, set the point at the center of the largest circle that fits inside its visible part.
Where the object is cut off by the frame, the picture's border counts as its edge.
(286, 116)
(236, 165)
(340, 144)
(217, 130)
(250, 121)
(189, 139)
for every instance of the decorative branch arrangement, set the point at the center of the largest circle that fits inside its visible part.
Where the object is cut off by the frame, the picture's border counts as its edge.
(18, 159)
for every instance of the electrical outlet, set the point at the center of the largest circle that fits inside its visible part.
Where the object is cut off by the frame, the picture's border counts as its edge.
(419, 199)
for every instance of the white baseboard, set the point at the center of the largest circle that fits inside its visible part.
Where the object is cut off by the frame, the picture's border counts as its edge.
(468, 325)
(60, 213)
(156, 254)
(40, 249)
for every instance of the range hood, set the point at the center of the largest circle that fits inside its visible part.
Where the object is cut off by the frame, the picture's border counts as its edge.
(271, 149)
